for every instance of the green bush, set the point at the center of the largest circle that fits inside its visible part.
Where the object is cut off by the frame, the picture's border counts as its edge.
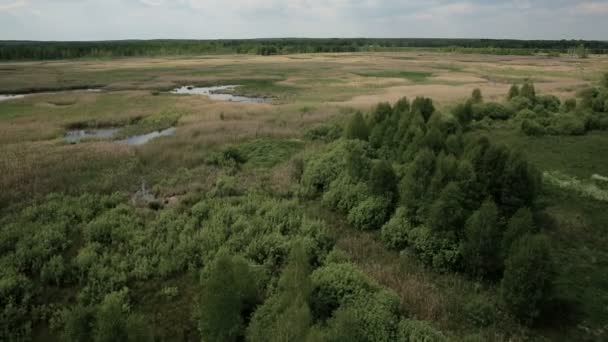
(373, 317)
(225, 186)
(492, 110)
(438, 252)
(567, 125)
(549, 102)
(395, 232)
(418, 331)
(480, 312)
(533, 128)
(345, 194)
(519, 103)
(481, 248)
(326, 133)
(337, 284)
(369, 214)
(528, 278)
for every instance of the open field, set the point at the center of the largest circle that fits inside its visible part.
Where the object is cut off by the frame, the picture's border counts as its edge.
(199, 167)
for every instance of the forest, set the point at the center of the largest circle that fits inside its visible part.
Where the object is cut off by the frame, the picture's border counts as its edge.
(31, 50)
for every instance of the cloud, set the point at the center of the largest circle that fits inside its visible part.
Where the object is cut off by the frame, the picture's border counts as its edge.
(594, 7)
(11, 5)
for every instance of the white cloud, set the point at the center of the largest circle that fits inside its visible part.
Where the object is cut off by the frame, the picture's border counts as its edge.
(10, 5)
(594, 7)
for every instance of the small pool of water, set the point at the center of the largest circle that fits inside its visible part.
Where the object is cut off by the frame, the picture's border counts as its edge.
(77, 135)
(137, 140)
(10, 97)
(218, 93)
(7, 97)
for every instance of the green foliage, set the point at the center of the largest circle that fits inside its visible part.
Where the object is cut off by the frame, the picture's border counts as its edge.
(337, 284)
(480, 312)
(424, 106)
(370, 214)
(225, 186)
(481, 248)
(447, 212)
(604, 81)
(114, 323)
(418, 331)
(513, 92)
(369, 318)
(528, 91)
(395, 232)
(357, 128)
(382, 179)
(533, 128)
(520, 224)
(528, 278)
(491, 110)
(54, 270)
(78, 324)
(476, 96)
(286, 315)
(463, 113)
(326, 133)
(435, 250)
(229, 289)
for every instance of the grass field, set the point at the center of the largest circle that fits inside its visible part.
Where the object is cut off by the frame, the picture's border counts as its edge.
(305, 91)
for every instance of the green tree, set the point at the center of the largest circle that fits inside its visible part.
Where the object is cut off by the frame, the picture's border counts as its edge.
(528, 91)
(286, 315)
(357, 128)
(481, 248)
(78, 324)
(519, 225)
(382, 179)
(464, 113)
(424, 106)
(229, 289)
(604, 82)
(476, 96)
(528, 279)
(110, 319)
(513, 92)
(447, 213)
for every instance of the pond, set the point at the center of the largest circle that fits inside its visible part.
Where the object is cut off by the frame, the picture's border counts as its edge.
(10, 97)
(78, 135)
(7, 97)
(218, 93)
(137, 140)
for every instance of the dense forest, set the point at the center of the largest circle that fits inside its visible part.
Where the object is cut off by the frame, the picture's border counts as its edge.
(31, 50)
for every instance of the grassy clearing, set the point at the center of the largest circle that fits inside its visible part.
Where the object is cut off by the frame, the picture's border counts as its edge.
(414, 76)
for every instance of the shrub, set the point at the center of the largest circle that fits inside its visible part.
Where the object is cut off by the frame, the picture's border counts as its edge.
(528, 91)
(434, 250)
(519, 225)
(225, 186)
(418, 331)
(531, 127)
(476, 96)
(344, 194)
(528, 277)
(326, 133)
(480, 312)
(424, 106)
(395, 232)
(519, 103)
(463, 112)
(569, 105)
(369, 214)
(549, 102)
(383, 180)
(338, 284)
(567, 125)
(369, 318)
(78, 322)
(491, 110)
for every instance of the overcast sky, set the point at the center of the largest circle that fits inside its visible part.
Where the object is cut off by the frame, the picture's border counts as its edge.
(211, 19)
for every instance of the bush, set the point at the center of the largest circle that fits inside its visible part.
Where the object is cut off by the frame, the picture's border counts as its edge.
(520, 103)
(225, 186)
(528, 278)
(549, 102)
(369, 318)
(344, 194)
(491, 110)
(533, 128)
(480, 312)
(418, 331)
(337, 284)
(569, 105)
(434, 250)
(326, 133)
(567, 125)
(395, 232)
(370, 214)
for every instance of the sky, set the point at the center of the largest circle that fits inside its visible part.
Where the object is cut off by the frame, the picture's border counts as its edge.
(217, 19)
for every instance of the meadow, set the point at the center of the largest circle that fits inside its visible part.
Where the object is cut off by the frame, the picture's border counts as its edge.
(236, 167)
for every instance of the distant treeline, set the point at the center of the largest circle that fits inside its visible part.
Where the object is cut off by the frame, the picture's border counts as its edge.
(31, 50)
